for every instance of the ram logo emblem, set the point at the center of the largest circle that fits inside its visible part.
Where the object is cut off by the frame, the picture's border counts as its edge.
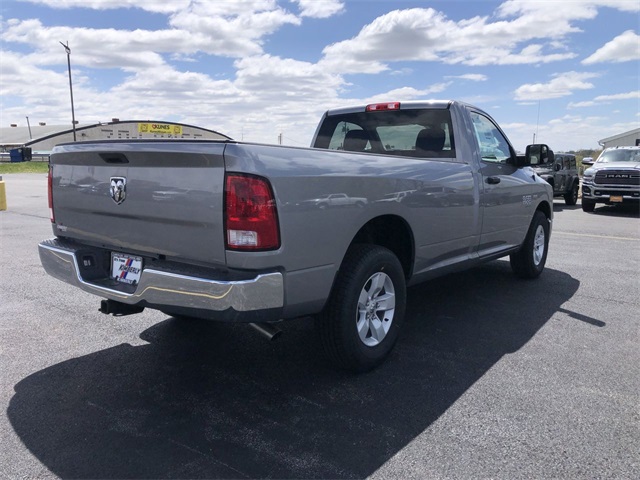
(118, 189)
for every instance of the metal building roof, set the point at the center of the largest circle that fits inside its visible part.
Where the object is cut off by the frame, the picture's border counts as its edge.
(20, 135)
(635, 131)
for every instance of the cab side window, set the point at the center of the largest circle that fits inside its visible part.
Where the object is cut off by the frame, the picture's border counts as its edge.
(494, 147)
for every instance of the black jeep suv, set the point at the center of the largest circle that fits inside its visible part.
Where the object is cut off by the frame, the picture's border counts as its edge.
(563, 176)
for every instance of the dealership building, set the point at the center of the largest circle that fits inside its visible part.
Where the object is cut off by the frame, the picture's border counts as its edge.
(626, 139)
(42, 138)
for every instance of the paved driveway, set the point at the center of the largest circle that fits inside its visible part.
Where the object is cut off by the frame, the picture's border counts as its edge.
(493, 376)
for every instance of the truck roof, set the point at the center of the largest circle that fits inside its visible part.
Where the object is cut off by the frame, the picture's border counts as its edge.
(437, 104)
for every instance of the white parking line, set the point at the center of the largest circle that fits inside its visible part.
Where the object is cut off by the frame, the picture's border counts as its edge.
(608, 237)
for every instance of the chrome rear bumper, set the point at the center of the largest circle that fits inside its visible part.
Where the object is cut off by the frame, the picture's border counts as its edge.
(158, 289)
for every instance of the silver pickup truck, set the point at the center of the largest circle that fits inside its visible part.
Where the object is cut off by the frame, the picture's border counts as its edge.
(614, 178)
(234, 231)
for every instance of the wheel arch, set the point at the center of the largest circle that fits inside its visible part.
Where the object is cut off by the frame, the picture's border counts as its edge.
(392, 232)
(545, 208)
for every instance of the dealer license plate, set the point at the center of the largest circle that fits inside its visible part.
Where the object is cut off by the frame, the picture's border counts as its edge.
(615, 198)
(126, 268)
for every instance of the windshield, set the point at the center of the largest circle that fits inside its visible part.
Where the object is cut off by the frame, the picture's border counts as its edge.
(621, 155)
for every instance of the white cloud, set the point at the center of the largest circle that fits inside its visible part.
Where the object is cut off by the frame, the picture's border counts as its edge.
(600, 99)
(434, 37)
(264, 93)
(235, 31)
(557, 14)
(618, 96)
(561, 85)
(623, 48)
(278, 77)
(152, 6)
(408, 93)
(15, 70)
(569, 132)
(117, 49)
(319, 8)
(589, 103)
(474, 77)
(402, 71)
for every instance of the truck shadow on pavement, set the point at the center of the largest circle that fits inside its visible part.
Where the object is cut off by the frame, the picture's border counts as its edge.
(205, 400)
(561, 206)
(628, 210)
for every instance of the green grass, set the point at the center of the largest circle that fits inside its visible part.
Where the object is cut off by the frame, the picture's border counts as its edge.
(24, 167)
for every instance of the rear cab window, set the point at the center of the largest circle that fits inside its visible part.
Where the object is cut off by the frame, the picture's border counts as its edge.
(422, 133)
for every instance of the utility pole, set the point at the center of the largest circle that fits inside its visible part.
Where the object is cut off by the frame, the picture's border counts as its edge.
(29, 125)
(73, 114)
(537, 123)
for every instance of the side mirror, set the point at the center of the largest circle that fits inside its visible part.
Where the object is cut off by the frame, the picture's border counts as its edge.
(538, 154)
(587, 161)
(557, 167)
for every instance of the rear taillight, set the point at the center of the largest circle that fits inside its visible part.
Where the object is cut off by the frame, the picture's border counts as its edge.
(251, 217)
(50, 194)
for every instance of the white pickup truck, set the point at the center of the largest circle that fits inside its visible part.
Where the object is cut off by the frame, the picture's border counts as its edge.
(233, 231)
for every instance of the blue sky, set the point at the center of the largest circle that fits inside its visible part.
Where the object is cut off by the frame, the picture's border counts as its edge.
(567, 71)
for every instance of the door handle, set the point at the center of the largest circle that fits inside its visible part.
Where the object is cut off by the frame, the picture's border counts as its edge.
(493, 180)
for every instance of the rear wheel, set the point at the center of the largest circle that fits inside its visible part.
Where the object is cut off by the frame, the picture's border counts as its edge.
(529, 261)
(360, 324)
(588, 206)
(571, 197)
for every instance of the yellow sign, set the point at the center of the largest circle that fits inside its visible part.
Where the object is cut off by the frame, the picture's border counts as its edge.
(165, 128)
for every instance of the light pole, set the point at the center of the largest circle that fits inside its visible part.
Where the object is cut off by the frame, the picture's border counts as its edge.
(73, 114)
(29, 125)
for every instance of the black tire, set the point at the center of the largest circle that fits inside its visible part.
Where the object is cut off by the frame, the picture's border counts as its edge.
(588, 206)
(345, 328)
(571, 197)
(529, 261)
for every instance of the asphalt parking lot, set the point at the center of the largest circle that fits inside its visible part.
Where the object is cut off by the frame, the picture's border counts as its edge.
(493, 376)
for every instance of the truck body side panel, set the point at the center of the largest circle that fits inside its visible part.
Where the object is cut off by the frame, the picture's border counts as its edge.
(436, 198)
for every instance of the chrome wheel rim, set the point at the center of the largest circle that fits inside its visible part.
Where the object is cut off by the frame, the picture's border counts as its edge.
(376, 306)
(538, 245)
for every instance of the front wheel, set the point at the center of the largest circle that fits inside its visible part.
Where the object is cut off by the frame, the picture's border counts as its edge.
(529, 261)
(361, 321)
(571, 197)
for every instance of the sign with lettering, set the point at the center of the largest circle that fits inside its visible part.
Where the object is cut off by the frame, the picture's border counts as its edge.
(165, 128)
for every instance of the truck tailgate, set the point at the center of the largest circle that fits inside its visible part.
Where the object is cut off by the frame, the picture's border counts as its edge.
(156, 198)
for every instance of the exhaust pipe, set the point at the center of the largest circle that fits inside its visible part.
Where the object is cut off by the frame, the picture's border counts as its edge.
(118, 309)
(268, 330)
